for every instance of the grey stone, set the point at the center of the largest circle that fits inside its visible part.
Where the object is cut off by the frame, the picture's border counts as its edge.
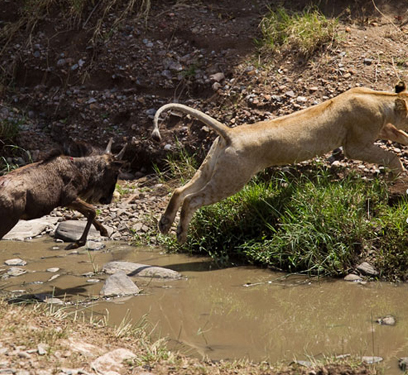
(16, 271)
(54, 301)
(71, 230)
(112, 362)
(53, 277)
(53, 269)
(119, 285)
(352, 277)
(302, 363)
(30, 228)
(217, 77)
(387, 320)
(372, 359)
(403, 363)
(367, 269)
(141, 270)
(15, 262)
(94, 246)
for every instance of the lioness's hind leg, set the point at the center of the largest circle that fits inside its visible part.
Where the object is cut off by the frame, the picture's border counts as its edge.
(199, 180)
(195, 184)
(222, 185)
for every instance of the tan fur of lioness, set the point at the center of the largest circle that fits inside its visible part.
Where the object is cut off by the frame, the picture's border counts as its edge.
(354, 120)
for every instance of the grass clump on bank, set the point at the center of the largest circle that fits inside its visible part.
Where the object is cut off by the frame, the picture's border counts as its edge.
(304, 32)
(304, 220)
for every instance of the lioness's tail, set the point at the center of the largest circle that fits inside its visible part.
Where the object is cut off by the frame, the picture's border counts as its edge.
(221, 129)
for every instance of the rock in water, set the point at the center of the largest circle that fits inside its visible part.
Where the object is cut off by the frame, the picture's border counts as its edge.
(119, 284)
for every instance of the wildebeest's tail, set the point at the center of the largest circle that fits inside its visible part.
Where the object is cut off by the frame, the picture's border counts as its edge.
(221, 129)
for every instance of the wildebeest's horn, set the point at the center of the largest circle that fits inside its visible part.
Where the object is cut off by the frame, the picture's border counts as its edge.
(109, 147)
(121, 153)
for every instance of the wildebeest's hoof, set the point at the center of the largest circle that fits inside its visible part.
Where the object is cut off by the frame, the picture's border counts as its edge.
(181, 235)
(164, 224)
(75, 245)
(104, 232)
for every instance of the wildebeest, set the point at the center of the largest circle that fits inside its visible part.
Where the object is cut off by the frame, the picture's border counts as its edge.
(36, 189)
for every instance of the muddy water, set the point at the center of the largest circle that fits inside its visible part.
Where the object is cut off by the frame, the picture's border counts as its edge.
(241, 312)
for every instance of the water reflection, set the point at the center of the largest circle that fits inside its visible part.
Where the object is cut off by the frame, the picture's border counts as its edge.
(242, 312)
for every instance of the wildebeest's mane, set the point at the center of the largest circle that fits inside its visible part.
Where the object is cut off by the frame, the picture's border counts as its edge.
(74, 149)
(80, 149)
(54, 153)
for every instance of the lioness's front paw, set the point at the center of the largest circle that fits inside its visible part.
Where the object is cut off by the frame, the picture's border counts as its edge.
(164, 224)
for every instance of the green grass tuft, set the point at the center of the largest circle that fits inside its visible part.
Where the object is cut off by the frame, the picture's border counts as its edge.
(304, 32)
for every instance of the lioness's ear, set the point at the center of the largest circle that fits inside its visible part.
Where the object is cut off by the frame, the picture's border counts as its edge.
(400, 87)
(401, 107)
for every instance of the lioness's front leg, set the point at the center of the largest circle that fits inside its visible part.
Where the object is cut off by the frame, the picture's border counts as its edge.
(390, 132)
(375, 154)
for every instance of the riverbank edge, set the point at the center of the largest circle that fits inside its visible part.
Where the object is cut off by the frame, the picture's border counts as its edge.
(44, 339)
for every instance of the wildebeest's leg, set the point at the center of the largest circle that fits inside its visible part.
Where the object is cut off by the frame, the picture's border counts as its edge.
(199, 180)
(7, 224)
(89, 212)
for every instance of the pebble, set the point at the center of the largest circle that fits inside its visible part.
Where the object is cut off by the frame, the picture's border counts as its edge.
(53, 269)
(216, 86)
(112, 362)
(15, 271)
(54, 301)
(42, 349)
(388, 320)
(367, 269)
(217, 77)
(403, 363)
(94, 245)
(15, 262)
(352, 277)
(371, 359)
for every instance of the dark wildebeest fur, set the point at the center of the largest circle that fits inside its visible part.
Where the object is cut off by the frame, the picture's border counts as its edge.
(59, 181)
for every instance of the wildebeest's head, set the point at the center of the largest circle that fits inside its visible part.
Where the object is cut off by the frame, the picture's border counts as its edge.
(104, 175)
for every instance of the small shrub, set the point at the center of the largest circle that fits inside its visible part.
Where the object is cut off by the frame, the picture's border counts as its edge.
(9, 130)
(180, 165)
(308, 223)
(305, 32)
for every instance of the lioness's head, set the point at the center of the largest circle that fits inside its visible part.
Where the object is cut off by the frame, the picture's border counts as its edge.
(400, 87)
(401, 105)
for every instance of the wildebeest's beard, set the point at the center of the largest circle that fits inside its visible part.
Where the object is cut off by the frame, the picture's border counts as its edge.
(106, 199)
(96, 195)
(101, 190)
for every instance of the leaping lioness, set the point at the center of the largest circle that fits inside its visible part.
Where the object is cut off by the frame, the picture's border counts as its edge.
(354, 120)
